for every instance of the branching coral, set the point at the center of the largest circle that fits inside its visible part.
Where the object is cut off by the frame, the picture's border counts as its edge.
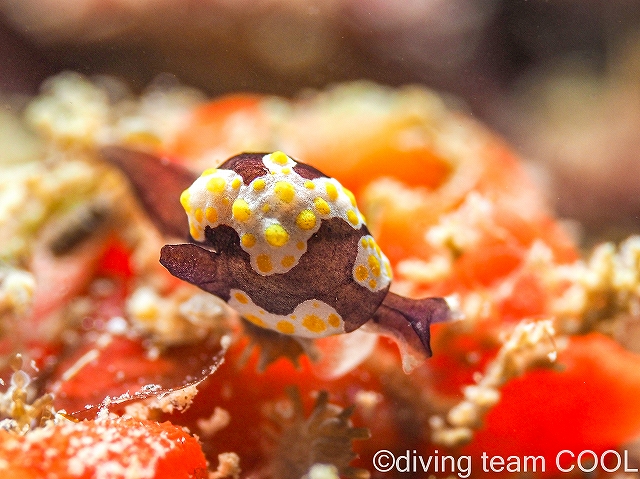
(604, 287)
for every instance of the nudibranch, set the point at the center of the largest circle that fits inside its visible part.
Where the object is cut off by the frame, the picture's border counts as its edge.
(283, 244)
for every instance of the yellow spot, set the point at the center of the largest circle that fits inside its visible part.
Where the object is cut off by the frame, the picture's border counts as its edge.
(241, 210)
(361, 272)
(194, 231)
(372, 243)
(266, 208)
(259, 184)
(276, 235)
(225, 201)
(387, 268)
(374, 265)
(264, 263)
(334, 320)
(332, 191)
(285, 191)
(216, 185)
(199, 215)
(300, 245)
(285, 327)
(241, 298)
(248, 240)
(288, 261)
(315, 304)
(286, 171)
(293, 316)
(364, 242)
(310, 185)
(279, 158)
(211, 214)
(255, 320)
(209, 171)
(321, 206)
(184, 199)
(350, 195)
(372, 283)
(314, 323)
(306, 220)
(235, 184)
(352, 217)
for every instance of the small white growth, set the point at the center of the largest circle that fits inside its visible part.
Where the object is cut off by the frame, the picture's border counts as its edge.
(228, 466)
(219, 419)
(322, 471)
(117, 326)
(16, 290)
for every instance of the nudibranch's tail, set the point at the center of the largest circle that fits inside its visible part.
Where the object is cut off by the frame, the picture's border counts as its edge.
(407, 321)
(158, 183)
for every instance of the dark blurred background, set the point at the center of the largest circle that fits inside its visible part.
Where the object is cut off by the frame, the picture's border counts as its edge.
(560, 79)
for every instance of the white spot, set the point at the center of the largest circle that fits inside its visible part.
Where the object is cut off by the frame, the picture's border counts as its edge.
(371, 267)
(303, 318)
(266, 208)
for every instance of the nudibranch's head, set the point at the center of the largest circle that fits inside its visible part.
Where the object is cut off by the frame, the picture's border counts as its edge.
(296, 229)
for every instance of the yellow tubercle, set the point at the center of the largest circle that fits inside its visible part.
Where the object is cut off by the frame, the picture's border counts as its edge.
(285, 327)
(255, 320)
(240, 210)
(352, 216)
(333, 320)
(216, 185)
(350, 195)
(211, 214)
(285, 191)
(361, 272)
(185, 197)
(321, 206)
(374, 265)
(288, 261)
(314, 323)
(264, 263)
(194, 232)
(209, 171)
(241, 298)
(332, 191)
(306, 220)
(248, 240)
(276, 235)
(258, 184)
(279, 158)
